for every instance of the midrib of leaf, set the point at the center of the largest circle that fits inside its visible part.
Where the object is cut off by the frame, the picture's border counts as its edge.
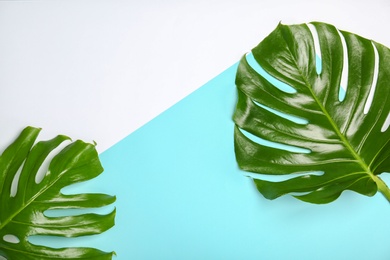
(382, 187)
(8, 220)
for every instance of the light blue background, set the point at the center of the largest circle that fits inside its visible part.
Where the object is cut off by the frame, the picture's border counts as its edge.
(180, 195)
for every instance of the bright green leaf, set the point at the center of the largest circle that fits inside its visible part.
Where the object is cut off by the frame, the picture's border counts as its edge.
(339, 91)
(22, 214)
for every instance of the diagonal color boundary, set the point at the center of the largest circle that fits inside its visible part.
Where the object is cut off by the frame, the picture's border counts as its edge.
(181, 196)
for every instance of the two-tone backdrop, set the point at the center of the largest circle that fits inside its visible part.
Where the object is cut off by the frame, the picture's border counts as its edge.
(152, 82)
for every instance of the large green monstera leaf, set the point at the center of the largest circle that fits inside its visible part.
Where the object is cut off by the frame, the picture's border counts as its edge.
(22, 210)
(318, 102)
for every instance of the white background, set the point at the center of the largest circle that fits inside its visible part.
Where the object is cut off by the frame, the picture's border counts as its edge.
(98, 70)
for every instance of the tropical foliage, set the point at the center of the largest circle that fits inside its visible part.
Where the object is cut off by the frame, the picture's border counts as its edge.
(23, 209)
(326, 129)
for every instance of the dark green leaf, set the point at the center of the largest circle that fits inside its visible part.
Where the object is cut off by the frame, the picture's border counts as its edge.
(23, 214)
(341, 141)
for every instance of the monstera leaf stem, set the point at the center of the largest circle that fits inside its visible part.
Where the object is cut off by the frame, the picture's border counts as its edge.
(382, 187)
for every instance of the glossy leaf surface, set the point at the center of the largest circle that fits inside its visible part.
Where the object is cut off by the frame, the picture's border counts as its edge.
(341, 140)
(23, 214)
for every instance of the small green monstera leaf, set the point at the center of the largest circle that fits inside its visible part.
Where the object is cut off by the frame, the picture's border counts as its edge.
(318, 101)
(22, 211)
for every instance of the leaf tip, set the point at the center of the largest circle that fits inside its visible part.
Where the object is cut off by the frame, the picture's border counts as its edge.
(33, 127)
